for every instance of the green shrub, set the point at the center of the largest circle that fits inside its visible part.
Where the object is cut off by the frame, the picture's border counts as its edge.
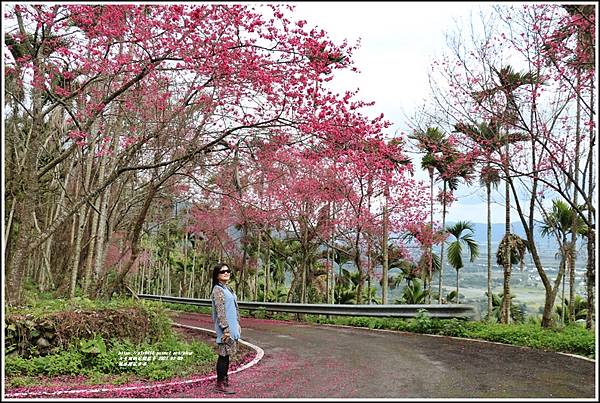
(574, 339)
(90, 359)
(422, 323)
(95, 355)
(259, 313)
(65, 363)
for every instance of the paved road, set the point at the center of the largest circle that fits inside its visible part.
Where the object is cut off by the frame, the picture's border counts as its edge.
(305, 361)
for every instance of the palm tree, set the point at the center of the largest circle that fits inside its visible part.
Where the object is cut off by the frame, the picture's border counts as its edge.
(579, 308)
(340, 255)
(286, 256)
(344, 295)
(408, 272)
(452, 297)
(517, 314)
(428, 163)
(441, 156)
(431, 142)
(562, 221)
(455, 248)
(346, 287)
(412, 294)
(387, 258)
(489, 177)
(277, 271)
(514, 247)
(450, 183)
(487, 137)
(508, 83)
(428, 264)
(275, 294)
(372, 295)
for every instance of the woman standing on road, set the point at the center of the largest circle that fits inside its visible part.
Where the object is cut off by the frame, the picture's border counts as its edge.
(226, 316)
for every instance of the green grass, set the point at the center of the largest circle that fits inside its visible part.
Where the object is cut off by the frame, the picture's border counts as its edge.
(102, 361)
(168, 358)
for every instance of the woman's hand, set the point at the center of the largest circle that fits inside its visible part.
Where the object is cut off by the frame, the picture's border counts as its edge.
(226, 336)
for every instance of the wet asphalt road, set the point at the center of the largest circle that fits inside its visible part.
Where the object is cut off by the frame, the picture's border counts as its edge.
(306, 361)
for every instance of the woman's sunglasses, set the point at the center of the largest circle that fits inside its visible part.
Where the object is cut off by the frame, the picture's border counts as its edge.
(224, 271)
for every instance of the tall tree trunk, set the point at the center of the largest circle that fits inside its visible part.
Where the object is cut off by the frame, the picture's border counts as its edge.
(87, 279)
(26, 199)
(572, 254)
(45, 264)
(457, 297)
(239, 288)
(443, 242)
(142, 273)
(57, 213)
(329, 264)
(258, 259)
(591, 239)
(562, 298)
(135, 233)
(267, 269)
(369, 268)
(293, 286)
(550, 297)
(572, 283)
(8, 227)
(79, 223)
(430, 289)
(551, 290)
(304, 286)
(361, 279)
(490, 306)
(332, 239)
(169, 288)
(45, 269)
(506, 301)
(101, 234)
(384, 243)
(82, 217)
(184, 285)
(190, 293)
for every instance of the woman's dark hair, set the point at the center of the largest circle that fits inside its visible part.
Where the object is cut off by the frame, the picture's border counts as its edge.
(215, 273)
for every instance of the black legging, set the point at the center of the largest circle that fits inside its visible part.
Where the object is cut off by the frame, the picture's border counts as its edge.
(222, 367)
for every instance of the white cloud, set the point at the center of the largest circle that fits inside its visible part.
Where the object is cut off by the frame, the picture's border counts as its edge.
(399, 41)
(475, 212)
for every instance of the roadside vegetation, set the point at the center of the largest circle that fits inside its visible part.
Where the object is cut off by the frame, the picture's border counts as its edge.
(96, 342)
(572, 339)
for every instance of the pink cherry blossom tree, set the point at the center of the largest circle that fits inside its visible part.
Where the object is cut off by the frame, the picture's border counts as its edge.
(539, 102)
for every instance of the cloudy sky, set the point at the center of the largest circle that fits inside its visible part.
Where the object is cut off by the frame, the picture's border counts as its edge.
(399, 40)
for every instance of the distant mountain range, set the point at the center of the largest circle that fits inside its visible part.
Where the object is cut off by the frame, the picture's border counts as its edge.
(480, 230)
(543, 243)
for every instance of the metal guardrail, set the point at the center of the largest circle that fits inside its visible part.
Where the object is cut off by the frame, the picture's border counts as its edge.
(443, 311)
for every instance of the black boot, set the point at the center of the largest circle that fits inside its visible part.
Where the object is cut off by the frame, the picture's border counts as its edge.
(226, 381)
(223, 388)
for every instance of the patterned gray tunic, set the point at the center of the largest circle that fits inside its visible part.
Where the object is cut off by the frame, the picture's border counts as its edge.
(231, 347)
